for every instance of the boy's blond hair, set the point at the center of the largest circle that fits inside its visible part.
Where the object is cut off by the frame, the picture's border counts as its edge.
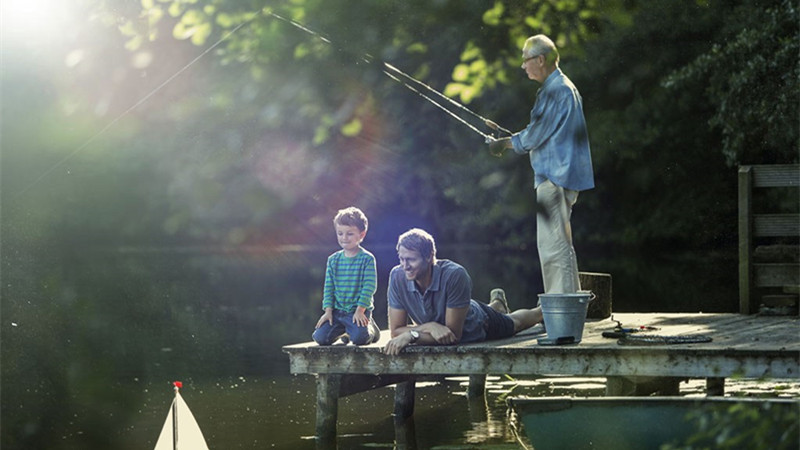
(351, 217)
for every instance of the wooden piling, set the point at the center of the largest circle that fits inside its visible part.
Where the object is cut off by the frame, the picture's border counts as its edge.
(600, 285)
(328, 386)
(404, 399)
(715, 386)
(477, 386)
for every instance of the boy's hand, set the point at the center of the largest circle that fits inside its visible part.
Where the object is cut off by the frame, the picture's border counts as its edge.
(327, 316)
(359, 318)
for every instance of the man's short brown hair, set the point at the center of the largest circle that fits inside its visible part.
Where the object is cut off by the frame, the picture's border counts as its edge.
(419, 240)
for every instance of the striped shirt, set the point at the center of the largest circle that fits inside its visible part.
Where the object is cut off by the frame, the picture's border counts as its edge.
(350, 282)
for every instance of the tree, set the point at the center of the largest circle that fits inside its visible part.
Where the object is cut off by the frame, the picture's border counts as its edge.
(751, 75)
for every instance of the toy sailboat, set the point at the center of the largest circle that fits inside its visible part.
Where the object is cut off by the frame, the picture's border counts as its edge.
(180, 431)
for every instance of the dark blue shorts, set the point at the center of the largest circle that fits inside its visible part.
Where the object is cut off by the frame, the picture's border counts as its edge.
(498, 325)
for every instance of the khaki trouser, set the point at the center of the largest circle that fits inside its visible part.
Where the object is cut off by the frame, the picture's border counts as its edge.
(554, 238)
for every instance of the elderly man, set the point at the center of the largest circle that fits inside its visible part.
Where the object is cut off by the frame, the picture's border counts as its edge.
(558, 144)
(436, 294)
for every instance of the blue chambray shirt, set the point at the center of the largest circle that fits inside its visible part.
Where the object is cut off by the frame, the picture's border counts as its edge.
(556, 138)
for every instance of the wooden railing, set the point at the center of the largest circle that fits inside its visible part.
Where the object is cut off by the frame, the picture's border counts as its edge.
(769, 242)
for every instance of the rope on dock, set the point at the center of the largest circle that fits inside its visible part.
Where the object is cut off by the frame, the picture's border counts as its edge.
(654, 339)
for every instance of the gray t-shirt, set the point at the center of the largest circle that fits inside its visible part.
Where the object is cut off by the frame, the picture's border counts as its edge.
(451, 287)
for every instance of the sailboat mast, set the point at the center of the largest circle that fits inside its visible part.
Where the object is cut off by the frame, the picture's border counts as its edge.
(184, 434)
(175, 420)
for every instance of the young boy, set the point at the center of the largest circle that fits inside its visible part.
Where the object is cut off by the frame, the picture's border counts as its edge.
(350, 283)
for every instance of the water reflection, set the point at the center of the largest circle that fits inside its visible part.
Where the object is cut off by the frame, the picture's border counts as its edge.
(91, 340)
(483, 426)
(279, 412)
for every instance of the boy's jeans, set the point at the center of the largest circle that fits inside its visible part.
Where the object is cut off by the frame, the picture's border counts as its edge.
(327, 334)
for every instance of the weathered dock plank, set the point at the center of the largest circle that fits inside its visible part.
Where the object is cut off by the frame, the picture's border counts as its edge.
(748, 346)
(742, 345)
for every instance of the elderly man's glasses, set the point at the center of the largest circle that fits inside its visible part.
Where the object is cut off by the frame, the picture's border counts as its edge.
(525, 61)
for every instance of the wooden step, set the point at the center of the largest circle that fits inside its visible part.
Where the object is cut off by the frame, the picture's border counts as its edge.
(777, 253)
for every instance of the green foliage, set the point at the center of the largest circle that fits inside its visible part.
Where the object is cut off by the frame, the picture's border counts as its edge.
(755, 426)
(639, 89)
(652, 148)
(568, 23)
(752, 74)
(279, 106)
(215, 125)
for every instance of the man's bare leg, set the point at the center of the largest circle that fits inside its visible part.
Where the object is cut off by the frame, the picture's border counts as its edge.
(526, 318)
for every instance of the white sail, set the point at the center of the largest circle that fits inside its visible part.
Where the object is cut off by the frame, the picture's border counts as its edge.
(189, 436)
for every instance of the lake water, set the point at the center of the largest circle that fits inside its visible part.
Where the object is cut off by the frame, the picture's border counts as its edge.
(278, 413)
(92, 339)
(243, 413)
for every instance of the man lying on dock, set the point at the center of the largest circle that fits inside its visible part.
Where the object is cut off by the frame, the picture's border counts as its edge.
(436, 294)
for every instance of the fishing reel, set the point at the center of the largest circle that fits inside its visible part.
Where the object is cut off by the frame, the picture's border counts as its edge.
(497, 144)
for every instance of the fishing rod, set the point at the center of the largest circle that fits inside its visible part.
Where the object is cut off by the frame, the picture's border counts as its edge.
(395, 71)
(450, 100)
(487, 137)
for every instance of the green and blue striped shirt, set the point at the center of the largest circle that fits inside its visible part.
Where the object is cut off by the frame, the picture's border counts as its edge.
(350, 282)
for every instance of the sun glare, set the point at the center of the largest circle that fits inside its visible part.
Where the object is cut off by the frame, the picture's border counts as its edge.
(33, 21)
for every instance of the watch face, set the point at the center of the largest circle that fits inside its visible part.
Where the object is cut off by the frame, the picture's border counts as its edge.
(414, 334)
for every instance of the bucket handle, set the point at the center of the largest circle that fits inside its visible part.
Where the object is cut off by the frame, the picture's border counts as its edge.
(592, 296)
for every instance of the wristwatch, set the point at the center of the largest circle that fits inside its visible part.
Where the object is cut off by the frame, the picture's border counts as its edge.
(414, 335)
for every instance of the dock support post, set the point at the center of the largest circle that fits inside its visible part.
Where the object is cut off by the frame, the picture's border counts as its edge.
(404, 399)
(405, 434)
(477, 386)
(600, 285)
(715, 386)
(328, 386)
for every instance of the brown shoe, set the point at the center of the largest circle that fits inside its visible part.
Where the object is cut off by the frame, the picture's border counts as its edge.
(497, 301)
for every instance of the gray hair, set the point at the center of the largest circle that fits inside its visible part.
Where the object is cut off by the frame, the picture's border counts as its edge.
(541, 45)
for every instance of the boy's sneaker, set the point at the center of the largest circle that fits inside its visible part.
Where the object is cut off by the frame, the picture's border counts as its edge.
(345, 338)
(497, 301)
(376, 330)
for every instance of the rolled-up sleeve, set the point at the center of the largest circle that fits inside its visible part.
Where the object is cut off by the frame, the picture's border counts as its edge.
(556, 139)
(547, 116)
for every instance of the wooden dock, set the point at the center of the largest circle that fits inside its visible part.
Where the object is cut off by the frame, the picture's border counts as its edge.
(744, 346)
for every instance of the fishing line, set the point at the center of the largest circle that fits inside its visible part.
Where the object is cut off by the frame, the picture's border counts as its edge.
(127, 111)
(452, 101)
(473, 128)
(368, 59)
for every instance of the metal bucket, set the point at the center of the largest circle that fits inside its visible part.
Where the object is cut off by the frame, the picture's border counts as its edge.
(564, 316)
